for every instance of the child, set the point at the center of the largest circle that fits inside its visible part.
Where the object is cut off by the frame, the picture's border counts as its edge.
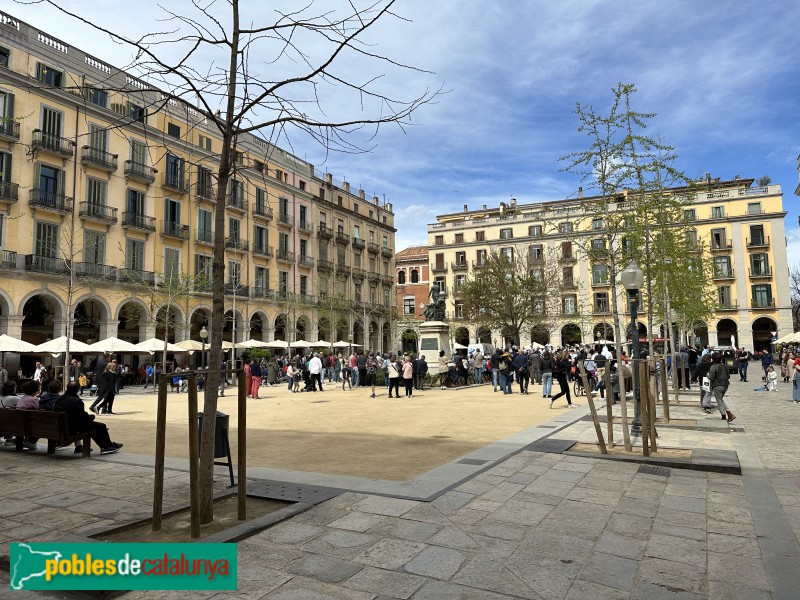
(82, 381)
(290, 377)
(772, 379)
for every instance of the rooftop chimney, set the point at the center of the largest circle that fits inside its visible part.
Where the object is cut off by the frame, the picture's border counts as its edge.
(346, 186)
(361, 194)
(466, 208)
(580, 192)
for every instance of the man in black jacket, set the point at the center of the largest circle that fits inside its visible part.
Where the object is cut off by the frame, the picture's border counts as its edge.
(420, 370)
(78, 420)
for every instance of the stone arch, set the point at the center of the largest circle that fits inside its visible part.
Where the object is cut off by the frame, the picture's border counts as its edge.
(132, 321)
(301, 327)
(414, 275)
(280, 327)
(603, 331)
(259, 325)
(5, 311)
(169, 322)
(324, 330)
(484, 335)
(40, 312)
(540, 334)
(642, 331)
(727, 329)
(90, 320)
(199, 317)
(342, 331)
(570, 334)
(233, 318)
(461, 336)
(401, 277)
(700, 331)
(386, 338)
(358, 333)
(408, 340)
(763, 327)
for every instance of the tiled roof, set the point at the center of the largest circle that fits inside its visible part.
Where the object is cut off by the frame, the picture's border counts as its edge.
(412, 252)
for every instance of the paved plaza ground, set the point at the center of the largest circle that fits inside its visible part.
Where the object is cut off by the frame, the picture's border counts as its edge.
(510, 522)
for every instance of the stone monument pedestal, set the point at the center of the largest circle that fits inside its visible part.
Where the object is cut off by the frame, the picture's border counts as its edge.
(433, 337)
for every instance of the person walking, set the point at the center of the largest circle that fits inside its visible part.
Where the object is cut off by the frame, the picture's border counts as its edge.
(442, 364)
(719, 380)
(702, 372)
(371, 373)
(361, 363)
(766, 361)
(408, 377)
(477, 366)
(536, 367)
(561, 369)
(394, 376)
(354, 374)
(547, 375)
(506, 369)
(796, 380)
(105, 390)
(255, 378)
(344, 371)
(315, 370)
(149, 372)
(521, 364)
(494, 364)
(743, 358)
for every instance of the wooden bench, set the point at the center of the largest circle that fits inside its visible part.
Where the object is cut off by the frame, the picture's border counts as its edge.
(51, 425)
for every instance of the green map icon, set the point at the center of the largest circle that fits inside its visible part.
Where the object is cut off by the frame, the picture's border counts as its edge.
(28, 564)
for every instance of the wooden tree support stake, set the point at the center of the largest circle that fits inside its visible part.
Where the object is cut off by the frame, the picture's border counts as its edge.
(194, 459)
(664, 392)
(161, 434)
(590, 400)
(644, 404)
(241, 451)
(623, 406)
(609, 404)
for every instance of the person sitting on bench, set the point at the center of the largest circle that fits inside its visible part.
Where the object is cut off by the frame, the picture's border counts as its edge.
(78, 420)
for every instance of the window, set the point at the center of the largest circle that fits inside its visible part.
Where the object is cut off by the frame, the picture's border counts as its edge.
(278, 174)
(49, 76)
(204, 183)
(371, 214)
(690, 238)
(137, 113)
(690, 214)
(459, 238)
(138, 152)
(234, 229)
(50, 185)
(627, 245)
(759, 263)
(567, 278)
(6, 111)
(535, 231)
(754, 208)
(480, 236)
(599, 275)
(480, 258)
(236, 193)
(98, 140)
(260, 239)
(458, 309)
(204, 220)
(438, 240)
(173, 130)
(95, 192)
(385, 241)
(5, 57)
(259, 165)
(355, 207)
(356, 232)
(323, 249)
(2, 229)
(569, 305)
(401, 278)
(134, 255)
(234, 274)
(135, 202)
(172, 263)
(202, 141)
(302, 185)
(303, 249)
(202, 271)
(238, 157)
(414, 276)
(717, 212)
(460, 281)
(95, 96)
(261, 201)
(174, 174)
(598, 244)
(718, 239)
(566, 250)
(441, 283)
(601, 302)
(757, 235)
(283, 283)
(51, 124)
(506, 233)
(565, 227)
(536, 253)
(724, 296)
(409, 306)
(94, 247)
(47, 240)
(341, 256)
(507, 253)
(261, 280)
(597, 224)
(303, 285)
(762, 295)
(722, 266)
(461, 259)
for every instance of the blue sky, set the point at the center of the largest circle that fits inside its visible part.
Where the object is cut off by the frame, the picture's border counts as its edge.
(722, 76)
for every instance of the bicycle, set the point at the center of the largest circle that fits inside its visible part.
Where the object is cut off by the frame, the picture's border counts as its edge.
(578, 388)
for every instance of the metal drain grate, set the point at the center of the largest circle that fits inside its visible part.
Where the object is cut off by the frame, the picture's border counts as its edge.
(291, 492)
(471, 461)
(651, 470)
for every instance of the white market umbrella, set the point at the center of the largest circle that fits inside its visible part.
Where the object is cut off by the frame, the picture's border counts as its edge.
(791, 337)
(457, 346)
(153, 345)
(59, 345)
(340, 344)
(112, 345)
(252, 344)
(321, 344)
(12, 344)
(277, 344)
(191, 345)
(301, 344)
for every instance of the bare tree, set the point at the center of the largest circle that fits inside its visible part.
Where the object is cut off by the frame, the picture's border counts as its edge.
(794, 291)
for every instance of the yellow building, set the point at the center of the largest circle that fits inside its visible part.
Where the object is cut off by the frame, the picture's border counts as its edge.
(741, 225)
(107, 196)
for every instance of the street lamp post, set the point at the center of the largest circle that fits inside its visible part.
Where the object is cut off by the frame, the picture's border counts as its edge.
(203, 338)
(632, 278)
(350, 342)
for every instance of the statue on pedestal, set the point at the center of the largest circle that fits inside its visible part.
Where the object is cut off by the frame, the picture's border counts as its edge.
(435, 311)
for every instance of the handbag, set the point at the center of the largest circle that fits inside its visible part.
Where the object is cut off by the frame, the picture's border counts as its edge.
(705, 385)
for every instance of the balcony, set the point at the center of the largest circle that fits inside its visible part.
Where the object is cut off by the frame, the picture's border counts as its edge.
(261, 211)
(478, 264)
(722, 274)
(57, 203)
(569, 284)
(305, 261)
(45, 264)
(205, 191)
(98, 159)
(97, 212)
(358, 243)
(88, 269)
(52, 144)
(342, 238)
(306, 227)
(8, 259)
(324, 232)
(235, 203)
(438, 268)
(758, 242)
(262, 250)
(137, 276)
(342, 269)
(175, 230)
(373, 248)
(723, 306)
(139, 172)
(762, 303)
(601, 310)
(374, 277)
(760, 273)
(459, 265)
(571, 259)
(285, 219)
(236, 244)
(174, 182)
(132, 220)
(9, 130)
(387, 280)
(204, 236)
(359, 274)
(600, 283)
(9, 192)
(232, 289)
(324, 265)
(722, 246)
(262, 293)
(387, 252)
(285, 256)
(307, 299)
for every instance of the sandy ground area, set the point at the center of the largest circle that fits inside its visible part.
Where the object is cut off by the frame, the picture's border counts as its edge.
(343, 433)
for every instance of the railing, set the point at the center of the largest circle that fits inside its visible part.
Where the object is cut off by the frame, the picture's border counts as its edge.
(176, 230)
(204, 236)
(600, 282)
(342, 238)
(100, 159)
(237, 290)
(139, 172)
(263, 250)
(324, 231)
(285, 219)
(8, 259)
(358, 243)
(387, 279)
(265, 212)
(601, 310)
(387, 252)
(723, 274)
(45, 264)
(721, 246)
(97, 212)
(374, 277)
(459, 265)
(285, 255)
(262, 292)
(305, 261)
(236, 203)
(88, 269)
(50, 201)
(359, 273)
(755, 211)
(567, 259)
(758, 242)
(569, 284)
(758, 273)
(478, 264)
(373, 248)
(306, 227)
(344, 269)
(728, 306)
(9, 192)
(137, 276)
(438, 268)
(138, 221)
(53, 144)
(324, 265)
(9, 130)
(762, 303)
(236, 244)
(205, 191)
(307, 299)
(175, 182)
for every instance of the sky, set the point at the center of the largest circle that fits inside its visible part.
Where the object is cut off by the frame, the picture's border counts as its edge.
(722, 77)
